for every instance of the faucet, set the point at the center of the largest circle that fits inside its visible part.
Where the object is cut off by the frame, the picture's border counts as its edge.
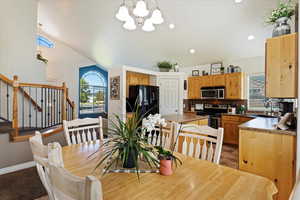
(269, 104)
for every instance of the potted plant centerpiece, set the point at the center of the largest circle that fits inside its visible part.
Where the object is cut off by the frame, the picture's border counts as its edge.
(280, 17)
(164, 66)
(167, 158)
(127, 145)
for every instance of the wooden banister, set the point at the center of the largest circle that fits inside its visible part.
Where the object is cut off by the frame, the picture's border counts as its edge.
(40, 86)
(34, 103)
(6, 80)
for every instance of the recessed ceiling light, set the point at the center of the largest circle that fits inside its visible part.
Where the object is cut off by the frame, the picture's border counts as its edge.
(171, 26)
(238, 1)
(192, 51)
(251, 37)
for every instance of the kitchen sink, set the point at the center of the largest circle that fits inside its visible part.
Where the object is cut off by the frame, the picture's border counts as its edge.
(262, 115)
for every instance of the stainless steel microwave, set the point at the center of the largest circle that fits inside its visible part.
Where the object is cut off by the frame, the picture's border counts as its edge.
(213, 93)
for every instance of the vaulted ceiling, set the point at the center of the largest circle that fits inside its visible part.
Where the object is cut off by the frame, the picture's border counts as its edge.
(216, 29)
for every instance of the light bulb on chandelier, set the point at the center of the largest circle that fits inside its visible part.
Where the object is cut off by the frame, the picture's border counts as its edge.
(123, 13)
(129, 24)
(156, 17)
(148, 26)
(140, 9)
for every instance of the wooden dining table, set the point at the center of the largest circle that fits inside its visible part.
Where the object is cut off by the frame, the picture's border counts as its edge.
(194, 180)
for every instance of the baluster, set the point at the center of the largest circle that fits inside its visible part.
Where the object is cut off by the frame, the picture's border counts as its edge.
(79, 136)
(36, 100)
(45, 106)
(0, 97)
(23, 107)
(184, 146)
(59, 107)
(94, 134)
(54, 109)
(51, 107)
(191, 149)
(7, 101)
(84, 136)
(42, 101)
(204, 151)
(29, 107)
(89, 135)
(73, 138)
(48, 106)
(198, 149)
(210, 152)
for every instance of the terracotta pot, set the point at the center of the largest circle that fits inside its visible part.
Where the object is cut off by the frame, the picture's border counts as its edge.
(165, 168)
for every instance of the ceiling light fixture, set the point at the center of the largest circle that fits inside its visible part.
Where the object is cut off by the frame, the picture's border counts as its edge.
(192, 51)
(140, 15)
(238, 1)
(251, 37)
(171, 26)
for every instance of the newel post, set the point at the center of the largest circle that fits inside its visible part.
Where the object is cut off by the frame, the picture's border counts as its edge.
(73, 110)
(15, 116)
(63, 102)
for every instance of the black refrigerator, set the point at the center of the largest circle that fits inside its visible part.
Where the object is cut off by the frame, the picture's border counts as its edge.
(147, 97)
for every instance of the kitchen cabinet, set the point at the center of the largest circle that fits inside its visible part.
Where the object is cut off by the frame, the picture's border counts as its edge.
(134, 78)
(194, 86)
(235, 86)
(269, 155)
(202, 122)
(231, 123)
(282, 66)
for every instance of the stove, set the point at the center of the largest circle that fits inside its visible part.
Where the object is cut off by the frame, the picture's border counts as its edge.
(214, 111)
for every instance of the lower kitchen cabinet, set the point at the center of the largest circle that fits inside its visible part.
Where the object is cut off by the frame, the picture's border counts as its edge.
(269, 155)
(202, 122)
(231, 123)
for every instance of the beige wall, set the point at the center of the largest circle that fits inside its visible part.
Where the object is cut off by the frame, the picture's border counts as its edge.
(18, 22)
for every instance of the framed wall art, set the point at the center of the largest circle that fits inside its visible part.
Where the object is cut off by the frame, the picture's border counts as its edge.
(215, 68)
(115, 88)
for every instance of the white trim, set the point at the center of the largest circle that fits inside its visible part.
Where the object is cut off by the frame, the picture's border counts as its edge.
(18, 167)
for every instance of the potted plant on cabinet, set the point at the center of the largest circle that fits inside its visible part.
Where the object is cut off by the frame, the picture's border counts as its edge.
(164, 66)
(280, 17)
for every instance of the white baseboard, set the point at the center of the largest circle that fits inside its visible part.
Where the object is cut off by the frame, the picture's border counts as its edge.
(15, 168)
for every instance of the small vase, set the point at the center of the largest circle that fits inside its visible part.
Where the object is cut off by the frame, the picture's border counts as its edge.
(281, 27)
(165, 168)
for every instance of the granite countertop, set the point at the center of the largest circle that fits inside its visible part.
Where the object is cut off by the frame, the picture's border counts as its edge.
(185, 117)
(265, 124)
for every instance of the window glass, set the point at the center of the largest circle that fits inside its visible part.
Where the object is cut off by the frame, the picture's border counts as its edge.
(42, 41)
(257, 100)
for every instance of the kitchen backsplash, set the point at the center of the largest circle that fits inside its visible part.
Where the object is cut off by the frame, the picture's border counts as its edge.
(188, 103)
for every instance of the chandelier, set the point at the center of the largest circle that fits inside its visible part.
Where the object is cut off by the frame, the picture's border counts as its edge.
(137, 13)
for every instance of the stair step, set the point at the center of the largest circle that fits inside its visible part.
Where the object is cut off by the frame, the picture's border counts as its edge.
(6, 127)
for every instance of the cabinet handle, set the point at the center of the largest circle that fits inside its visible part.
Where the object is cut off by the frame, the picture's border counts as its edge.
(276, 180)
(245, 161)
(290, 66)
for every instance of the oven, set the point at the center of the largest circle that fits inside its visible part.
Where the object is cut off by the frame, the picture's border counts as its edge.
(212, 93)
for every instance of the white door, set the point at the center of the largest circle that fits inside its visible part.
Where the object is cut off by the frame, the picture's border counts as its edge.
(168, 95)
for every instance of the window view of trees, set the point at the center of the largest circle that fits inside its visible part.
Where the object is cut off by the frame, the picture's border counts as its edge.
(92, 93)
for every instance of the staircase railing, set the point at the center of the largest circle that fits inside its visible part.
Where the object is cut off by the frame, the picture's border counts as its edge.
(34, 106)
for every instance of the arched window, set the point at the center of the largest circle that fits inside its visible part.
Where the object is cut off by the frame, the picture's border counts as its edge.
(42, 41)
(93, 92)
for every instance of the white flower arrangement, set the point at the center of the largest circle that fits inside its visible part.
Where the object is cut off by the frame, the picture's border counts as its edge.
(151, 121)
(285, 9)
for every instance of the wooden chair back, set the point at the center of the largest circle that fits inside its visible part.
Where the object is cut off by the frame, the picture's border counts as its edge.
(80, 131)
(66, 186)
(201, 142)
(161, 136)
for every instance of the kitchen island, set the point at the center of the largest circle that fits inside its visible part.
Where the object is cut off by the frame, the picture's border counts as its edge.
(187, 118)
(267, 151)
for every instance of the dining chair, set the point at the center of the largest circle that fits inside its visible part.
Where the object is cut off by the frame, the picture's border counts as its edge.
(40, 156)
(66, 186)
(161, 136)
(201, 142)
(80, 131)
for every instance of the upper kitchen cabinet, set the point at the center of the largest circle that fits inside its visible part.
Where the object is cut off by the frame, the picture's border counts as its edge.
(194, 85)
(218, 80)
(235, 85)
(134, 78)
(282, 66)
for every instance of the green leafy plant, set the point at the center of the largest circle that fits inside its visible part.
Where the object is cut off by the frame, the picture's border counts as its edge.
(127, 143)
(167, 155)
(285, 9)
(165, 65)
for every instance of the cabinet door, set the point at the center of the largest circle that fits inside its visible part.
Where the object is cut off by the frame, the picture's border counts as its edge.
(206, 81)
(234, 86)
(194, 84)
(281, 66)
(231, 132)
(218, 80)
(269, 155)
